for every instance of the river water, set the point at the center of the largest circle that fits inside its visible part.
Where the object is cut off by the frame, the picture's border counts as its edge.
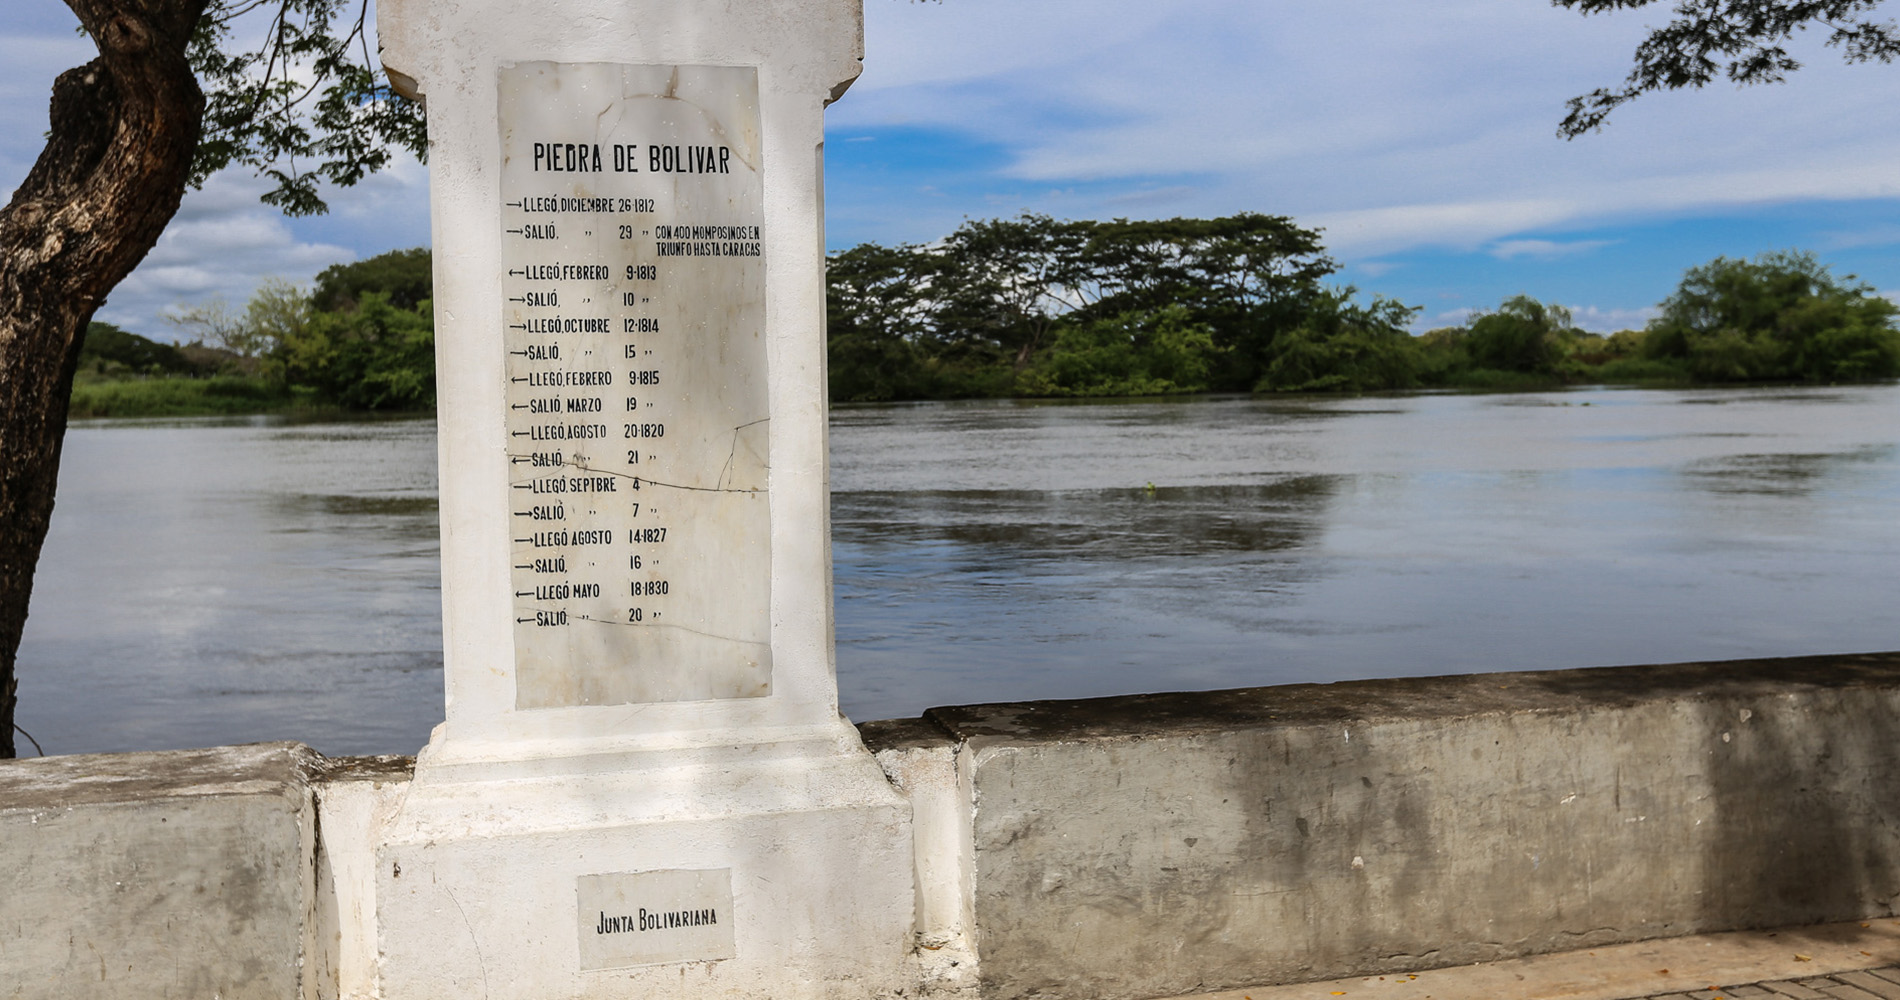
(213, 581)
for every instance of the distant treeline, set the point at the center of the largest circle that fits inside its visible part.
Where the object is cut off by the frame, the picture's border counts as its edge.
(362, 339)
(1036, 306)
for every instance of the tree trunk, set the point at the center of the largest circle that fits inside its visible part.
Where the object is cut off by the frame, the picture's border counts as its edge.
(124, 129)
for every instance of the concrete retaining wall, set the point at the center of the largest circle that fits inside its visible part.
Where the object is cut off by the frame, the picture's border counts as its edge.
(1164, 844)
(190, 874)
(1113, 848)
(155, 875)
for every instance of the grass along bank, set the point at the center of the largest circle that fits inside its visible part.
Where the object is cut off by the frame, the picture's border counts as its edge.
(362, 340)
(180, 396)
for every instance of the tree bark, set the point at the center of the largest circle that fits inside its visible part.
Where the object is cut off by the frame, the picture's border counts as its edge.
(124, 129)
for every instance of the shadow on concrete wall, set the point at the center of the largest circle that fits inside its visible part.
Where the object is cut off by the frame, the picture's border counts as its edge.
(1805, 786)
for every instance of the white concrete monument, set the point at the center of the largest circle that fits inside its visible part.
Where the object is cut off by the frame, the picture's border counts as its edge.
(643, 786)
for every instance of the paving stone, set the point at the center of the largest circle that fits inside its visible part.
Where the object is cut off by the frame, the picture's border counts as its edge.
(1868, 984)
(1879, 987)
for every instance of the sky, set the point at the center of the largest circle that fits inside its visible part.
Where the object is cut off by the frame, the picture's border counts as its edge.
(1420, 138)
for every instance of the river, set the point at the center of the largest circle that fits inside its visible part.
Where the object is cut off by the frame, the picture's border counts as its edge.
(216, 581)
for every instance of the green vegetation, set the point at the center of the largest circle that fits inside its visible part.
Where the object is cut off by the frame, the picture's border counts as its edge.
(164, 396)
(405, 276)
(1132, 354)
(1343, 347)
(1779, 317)
(122, 374)
(373, 348)
(110, 350)
(376, 356)
(1039, 307)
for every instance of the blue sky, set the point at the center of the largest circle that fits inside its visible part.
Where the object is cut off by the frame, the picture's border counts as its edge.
(1420, 137)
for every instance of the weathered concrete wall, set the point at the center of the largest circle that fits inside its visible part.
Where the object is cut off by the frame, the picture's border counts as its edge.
(1114, 848)
(148, 876)
(1163, 844)
(234, 872)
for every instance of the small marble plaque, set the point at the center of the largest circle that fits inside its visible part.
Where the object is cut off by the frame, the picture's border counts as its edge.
(633, 278)
(654, 918)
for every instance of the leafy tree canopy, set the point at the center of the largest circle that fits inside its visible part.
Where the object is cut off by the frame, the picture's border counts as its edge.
(107, 346)
(377, 356)
(1781, 315)
(293, 92)
(1745, 41)
(403, 276)
(1044, 306)
(1130, 354)
(1342, 346)
(1523, 335)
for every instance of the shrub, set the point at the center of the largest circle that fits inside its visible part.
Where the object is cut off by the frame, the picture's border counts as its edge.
(1344, 347)
(1132, 354)
(1523, 335)
(377, 357)
(1779, 316)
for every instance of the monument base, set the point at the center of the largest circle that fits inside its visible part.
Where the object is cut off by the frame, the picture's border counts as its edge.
(779, 868)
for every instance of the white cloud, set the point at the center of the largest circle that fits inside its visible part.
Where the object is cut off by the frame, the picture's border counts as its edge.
(1465, 225)
(1450, 317)
(31, 62)
(1544, 249)
(1149, 196)
(222, 242)
(1598, 319)
(1869, 236)
(1394, 125)
(1468, 225)
(940, 44)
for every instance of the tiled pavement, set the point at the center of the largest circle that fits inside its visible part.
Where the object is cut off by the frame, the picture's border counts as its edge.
(1788, 963)
(1872, 984)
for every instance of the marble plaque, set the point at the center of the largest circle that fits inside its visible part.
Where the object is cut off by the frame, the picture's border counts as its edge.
(650, 918)
(638, 441)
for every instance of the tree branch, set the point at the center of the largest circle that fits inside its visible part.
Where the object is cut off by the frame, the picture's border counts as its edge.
(1744, 40)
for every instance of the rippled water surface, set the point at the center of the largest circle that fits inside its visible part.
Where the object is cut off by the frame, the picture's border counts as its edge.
(218, 582)
(211, 582)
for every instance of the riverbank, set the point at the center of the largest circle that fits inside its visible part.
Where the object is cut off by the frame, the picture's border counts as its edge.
(187, 396)
(177, 396)
(240, 395)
